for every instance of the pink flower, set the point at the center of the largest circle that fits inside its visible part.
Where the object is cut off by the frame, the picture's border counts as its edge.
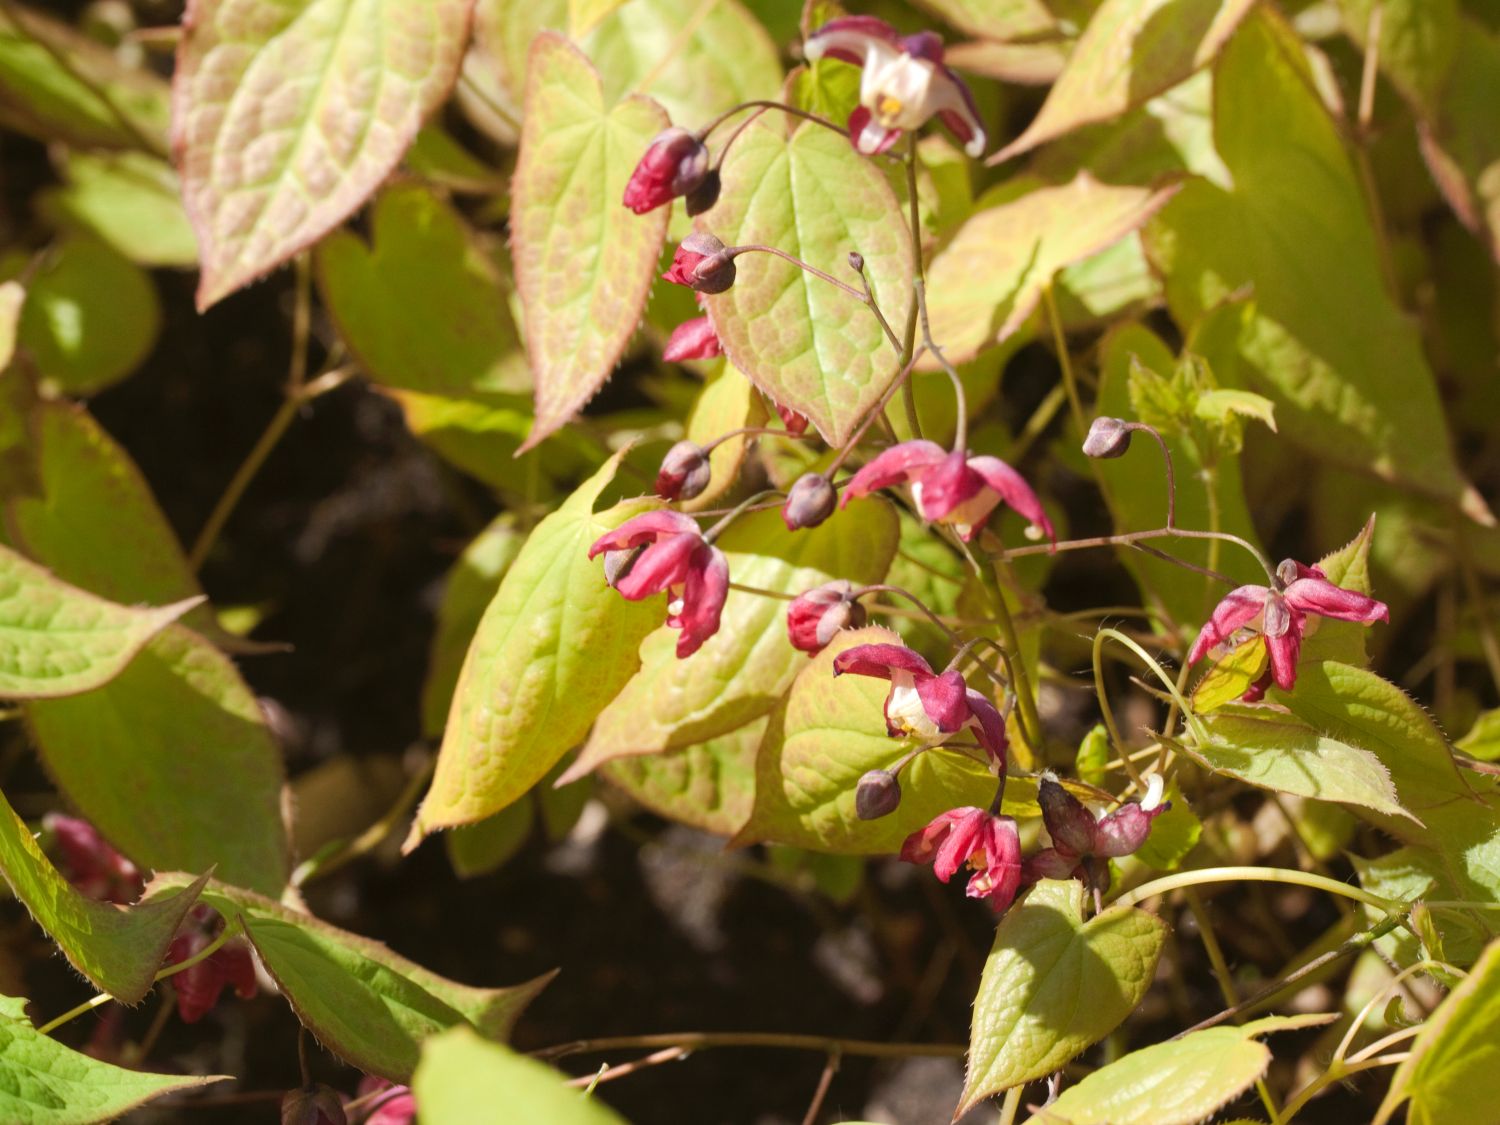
(923, 703)
(1080, 843)
(904, 83)
(692, 339)
(795, 423)
(675, 164)
(398, 1108)
(86, 860)
(814, 618)
(676, 560)
(985, 842)
(950, 487)
(702, 263)
(198, 987)
(1280, 615)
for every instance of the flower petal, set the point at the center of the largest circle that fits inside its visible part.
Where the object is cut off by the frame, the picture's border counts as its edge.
(945, 699)
(692, 339)
(1124, 830)
(920, 846)
(1284, 651)
(960, 843)
(1239, 608)
(659, 567)
(1000, 877)
(849, 38)
(879, 660)
(989, 726)
(947, 485)
(643, 529)
(1014, 490)
(1320, 596)
(893, 466)
(957, 111)
(702, 598)
(868, 135)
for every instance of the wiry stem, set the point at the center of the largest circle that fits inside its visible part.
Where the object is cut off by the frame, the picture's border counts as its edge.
(704, 1040)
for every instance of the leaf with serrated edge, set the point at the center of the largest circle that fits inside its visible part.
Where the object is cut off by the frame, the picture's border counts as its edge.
(743, 669)
(554, 647)
(709, 786)
(1054, 985)
(366, 1003)
(1288, 756)
(983, 285)
(44, 1082)
(174, 763)
(584, 263)
(1177, 1083)
(116, 947)
(462, 1080)
(1129, 52)
(824, 734)
(805, 343)
(286, 116)
(57, 640)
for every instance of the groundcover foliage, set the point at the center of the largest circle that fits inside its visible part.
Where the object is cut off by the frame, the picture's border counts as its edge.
(654, 489)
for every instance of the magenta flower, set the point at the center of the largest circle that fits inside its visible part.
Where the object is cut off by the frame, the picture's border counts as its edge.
(985, 842)
(923, 703)
(1081, 844)
(198, 987)
(1280, 616)
(692, 339)
(397, 1107)
(795, 423)
(950, 487)
(675, 164)
(87, 860)
(814, 618)
(676, 560)
(904, 83)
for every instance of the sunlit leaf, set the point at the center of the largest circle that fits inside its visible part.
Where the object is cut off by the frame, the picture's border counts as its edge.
(1231, 676)
(709, 786)
(1483, 739)
(129, 200)
(996, 19)
(478, 849)
(461, 1080)
(286, 116)
(1458, 140)
(43, 1082)
(727, 402)
(584, 263)
(807, 344)
(554, 647)
(1054, 985)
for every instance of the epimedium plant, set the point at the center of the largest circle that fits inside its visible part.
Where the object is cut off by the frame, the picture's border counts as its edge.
(790, 580)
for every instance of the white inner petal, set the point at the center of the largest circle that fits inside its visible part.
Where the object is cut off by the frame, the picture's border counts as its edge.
(905, 710)
(897, 88)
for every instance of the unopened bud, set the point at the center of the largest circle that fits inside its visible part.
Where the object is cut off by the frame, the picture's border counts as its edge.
(810, 502)
(705, 195)
(685, 472)
(815, 617)
(856, 261)
(314, 1104)
(1108, 437)
(675, 164)
(702, 263)
(617, 564)
(877, 794)
(1070, 825)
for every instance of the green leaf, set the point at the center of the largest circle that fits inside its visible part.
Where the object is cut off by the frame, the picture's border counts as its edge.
(727, 402)
(424, 306)
(478, 849)
(1454, 1065)
(997, 19)
(462, 1080)
(117, 948)
(1054, 985)
(824, 734)
(290, 115)
(1180, 1082)
(1458, 138)
(710, 786)
(695, 61)
(990, 278)
(1290, 757)
(1349, 567)
(173, 762)
(1221, 406)
(746, 667)
(58, 640)
(584, 263)
(805, 343)
(19, 475)
(1174, 833)
(129, 200)
(1321, 336)
(95, 522)
(471, 586)
(1483, 739)
(1231, 676)
(1130, 52)
(584, 15)
(370, 1006)
(43, 1082)
(58, 85)
(1418, 42)
(91, 316)
(554, 647)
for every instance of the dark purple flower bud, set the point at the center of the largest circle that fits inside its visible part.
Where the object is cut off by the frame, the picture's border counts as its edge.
(1070, 825)
(685, 472)
(810, 502)
(877, 794)
(675, 164)
(702, 263)
(815, 617)
(705, 195)
(1108, 437)
(315, 1104)
(856, 261)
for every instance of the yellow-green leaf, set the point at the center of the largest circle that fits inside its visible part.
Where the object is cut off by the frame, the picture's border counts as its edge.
(462, 1080)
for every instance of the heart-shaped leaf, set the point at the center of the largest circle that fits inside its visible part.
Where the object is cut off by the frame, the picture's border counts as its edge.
(1054, 985)
(285, 117)
(583, 262)
(804, 342)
